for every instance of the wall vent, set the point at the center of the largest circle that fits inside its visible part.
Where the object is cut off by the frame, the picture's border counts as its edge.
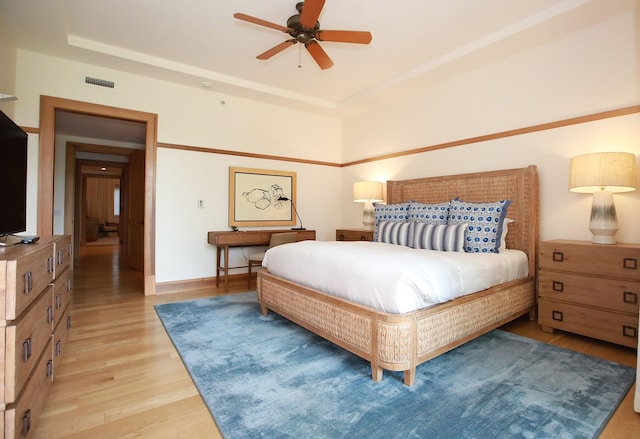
(100, 82)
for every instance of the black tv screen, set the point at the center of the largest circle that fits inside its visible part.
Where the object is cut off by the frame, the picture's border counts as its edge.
(13, 177)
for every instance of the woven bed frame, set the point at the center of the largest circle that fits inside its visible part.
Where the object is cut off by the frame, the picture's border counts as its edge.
(400, 342)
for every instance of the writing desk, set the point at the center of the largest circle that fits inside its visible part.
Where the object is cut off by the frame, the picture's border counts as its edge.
(223, 240)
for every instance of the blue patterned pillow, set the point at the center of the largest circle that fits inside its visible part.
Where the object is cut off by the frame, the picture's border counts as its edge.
(443, 237)
(429, 213)
(485, 222)
(395, 233)
(396, 213)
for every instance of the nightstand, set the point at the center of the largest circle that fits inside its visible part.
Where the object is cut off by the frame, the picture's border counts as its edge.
(590, 289)
(354, 235)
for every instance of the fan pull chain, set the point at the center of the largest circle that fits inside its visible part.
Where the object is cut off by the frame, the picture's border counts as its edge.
(300, 56)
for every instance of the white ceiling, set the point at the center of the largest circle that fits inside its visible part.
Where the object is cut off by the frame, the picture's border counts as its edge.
(198, 41)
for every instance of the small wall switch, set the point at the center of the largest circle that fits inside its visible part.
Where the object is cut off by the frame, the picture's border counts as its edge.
(200, 204)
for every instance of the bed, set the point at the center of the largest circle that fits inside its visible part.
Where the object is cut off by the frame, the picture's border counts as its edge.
(400, 342)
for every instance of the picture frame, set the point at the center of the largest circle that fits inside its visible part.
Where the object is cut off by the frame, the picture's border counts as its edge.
(254, 197)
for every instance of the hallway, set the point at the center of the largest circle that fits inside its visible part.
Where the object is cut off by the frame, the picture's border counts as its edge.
(120, 375)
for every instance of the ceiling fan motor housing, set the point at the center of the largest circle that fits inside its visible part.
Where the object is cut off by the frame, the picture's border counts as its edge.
(298, 32)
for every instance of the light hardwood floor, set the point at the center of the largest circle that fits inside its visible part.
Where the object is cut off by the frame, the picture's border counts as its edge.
(121, 377)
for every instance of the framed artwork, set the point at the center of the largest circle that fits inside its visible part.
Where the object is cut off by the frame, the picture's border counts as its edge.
(261, 197)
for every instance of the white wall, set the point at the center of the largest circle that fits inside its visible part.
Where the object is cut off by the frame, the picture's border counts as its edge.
(197, 175)
(594, 70)
(194, 116)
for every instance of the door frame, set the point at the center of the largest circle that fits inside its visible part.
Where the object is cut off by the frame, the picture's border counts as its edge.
(48, 107)
(77, 191)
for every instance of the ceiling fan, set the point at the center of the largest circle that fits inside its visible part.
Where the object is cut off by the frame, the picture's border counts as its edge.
(304, 28)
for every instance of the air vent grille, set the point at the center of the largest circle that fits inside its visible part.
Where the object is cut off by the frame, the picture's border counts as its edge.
(100, 82)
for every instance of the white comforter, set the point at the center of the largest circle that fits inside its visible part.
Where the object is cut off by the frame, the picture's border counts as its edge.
(392, 278)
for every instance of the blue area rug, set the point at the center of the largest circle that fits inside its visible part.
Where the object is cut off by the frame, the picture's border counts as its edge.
(264, 377)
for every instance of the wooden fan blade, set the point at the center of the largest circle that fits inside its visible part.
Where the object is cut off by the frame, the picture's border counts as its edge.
(260, 21)
(344, 36)
(276, 49)
(319, 55)
(310, 12)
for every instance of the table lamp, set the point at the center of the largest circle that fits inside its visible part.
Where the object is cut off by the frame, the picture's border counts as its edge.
(367, 192)
(602, 174)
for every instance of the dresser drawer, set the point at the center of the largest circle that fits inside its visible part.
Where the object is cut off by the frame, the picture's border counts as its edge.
(59, 337)
(20, 417)
(25, 342)
(354, 235)
(26, 278)
(63, 254)
(612, 294)
(604, 325)
(578, 257)
(62, 288)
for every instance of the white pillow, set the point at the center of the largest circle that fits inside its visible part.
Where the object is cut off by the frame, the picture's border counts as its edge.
(505, 230)
(443, 237)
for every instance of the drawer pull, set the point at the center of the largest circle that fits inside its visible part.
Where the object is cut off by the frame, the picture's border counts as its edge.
(630, 297)
(68, 322)
(557, 315)
(558, 286)
(629, 331)
(50, 369)
(60, 257)
(58, 301)
(50, 264)
(558, 256)
(70, 249)
(28, 282)
(50, 314)
(58, 348)
(26, 350)
(68, 284)
(26, 423)
(341, 237)
(630, 264)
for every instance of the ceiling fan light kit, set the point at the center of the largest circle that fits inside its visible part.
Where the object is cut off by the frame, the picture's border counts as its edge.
(304, 28)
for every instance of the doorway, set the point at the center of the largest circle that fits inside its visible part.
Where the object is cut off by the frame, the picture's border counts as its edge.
(146, 223)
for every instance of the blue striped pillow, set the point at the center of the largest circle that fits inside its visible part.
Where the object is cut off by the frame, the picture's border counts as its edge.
(395, 233)
(443, 237)
(396, 213)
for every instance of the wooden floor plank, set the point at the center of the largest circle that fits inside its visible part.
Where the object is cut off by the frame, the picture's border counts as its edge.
(121, 377)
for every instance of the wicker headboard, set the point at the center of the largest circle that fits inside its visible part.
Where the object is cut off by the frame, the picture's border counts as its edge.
(518, 185)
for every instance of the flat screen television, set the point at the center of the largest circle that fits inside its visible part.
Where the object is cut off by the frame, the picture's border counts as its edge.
(13, 178)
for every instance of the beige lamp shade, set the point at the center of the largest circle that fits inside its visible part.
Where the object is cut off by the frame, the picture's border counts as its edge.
(364, 191)
(613, 171)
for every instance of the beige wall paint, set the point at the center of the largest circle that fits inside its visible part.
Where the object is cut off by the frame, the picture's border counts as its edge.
(7, 72)
(594, 70)
(193, 116)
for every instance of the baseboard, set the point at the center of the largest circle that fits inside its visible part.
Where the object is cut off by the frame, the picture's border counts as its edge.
(196, 284)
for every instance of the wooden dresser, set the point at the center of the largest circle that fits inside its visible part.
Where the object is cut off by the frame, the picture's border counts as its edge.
(35, 293)
(590, 289)
(354, 235)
